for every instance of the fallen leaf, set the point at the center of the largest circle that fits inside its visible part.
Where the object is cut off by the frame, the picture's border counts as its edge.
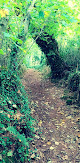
(51, 148)
(17, 115)
(51, 130)
(33, 155)
(46, 103)
(71, 147)
(32, 110)
(41, 155)
(56, 143)
(63, 121)
(18, 91)
(44, 145)
(40, 123)
(78, 135)
(43, 138)
(37, 102)
(69, 117)
(65, 157)
(36, 136)
(32, 102)
(48, 143)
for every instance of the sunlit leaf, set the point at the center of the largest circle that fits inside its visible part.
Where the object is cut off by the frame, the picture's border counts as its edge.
(46, 13)
(10, 153)
(16, 39)
(1, 52)
(14, 105)
(8, 115)
(20, 41)
(4, 12)
(6, 34)
(64, 23)
(18, 91)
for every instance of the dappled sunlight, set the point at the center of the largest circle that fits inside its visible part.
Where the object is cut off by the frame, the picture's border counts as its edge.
(71, 4)
(70, 33)
(34, 57)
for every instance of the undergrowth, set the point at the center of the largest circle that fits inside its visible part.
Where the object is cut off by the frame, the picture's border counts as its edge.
(16, 123)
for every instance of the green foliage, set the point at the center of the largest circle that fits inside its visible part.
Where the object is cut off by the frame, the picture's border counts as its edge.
(1, 52)
(69, 51)
(34, 58)
(72, 93)
(74, 81)
(16, 123)
(55, 16)
(69, 102)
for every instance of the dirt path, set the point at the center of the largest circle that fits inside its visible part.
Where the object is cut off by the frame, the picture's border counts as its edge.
(59, 140)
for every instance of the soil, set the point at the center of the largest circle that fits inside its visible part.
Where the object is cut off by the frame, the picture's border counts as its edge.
(57, 128)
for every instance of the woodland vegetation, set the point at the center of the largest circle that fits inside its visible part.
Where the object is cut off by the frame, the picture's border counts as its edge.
(34, 34)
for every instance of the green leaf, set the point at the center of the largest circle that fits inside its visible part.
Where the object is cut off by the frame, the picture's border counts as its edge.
(9, 154)
(11, 130)
(1, 125)
(20, 41)
(1, 52)
(64, 23)
(6, 34)
(16, 39)
(41, 14)
(21, 138)
(73, 20)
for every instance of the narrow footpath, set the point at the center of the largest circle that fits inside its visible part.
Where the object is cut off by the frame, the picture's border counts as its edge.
(57, 130)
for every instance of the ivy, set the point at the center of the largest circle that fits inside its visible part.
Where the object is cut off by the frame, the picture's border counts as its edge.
(16, 122)
(13, 98)
(20, 21)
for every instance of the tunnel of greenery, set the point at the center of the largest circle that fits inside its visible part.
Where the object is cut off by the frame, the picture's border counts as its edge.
(33, 34)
